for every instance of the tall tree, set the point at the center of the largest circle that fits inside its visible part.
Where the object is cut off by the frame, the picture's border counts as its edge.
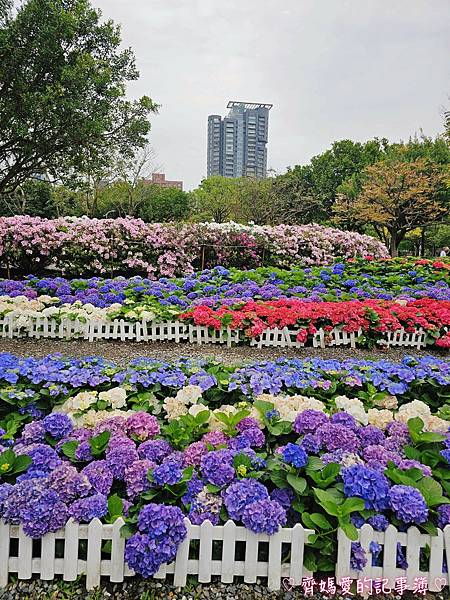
(63, 108)
(397, 197)
(215, 199)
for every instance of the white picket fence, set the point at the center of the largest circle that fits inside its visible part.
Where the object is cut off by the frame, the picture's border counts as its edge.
(211, 551)
(178, 331)
(214, 546)
(412, 542)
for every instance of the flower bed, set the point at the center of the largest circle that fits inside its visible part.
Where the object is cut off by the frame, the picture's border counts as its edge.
(354, 279)
(80, 246)
(321, 443)
(294, 322)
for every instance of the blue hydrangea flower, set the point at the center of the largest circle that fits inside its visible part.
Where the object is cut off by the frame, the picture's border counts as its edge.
(57, 425)
(295, 455)
(368, 484)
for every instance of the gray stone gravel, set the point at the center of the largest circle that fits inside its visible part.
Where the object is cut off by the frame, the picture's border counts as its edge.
(138, 589)
(123, 352)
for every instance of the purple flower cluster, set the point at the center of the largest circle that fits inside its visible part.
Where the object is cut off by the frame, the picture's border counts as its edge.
(241, 493)
(86, 509)
(309, 421)
(57, 425)
(161, 531)
(217, 467)
(408, 504)
(264, 516)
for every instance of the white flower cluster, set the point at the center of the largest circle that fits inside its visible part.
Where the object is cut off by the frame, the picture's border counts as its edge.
(26, 310)
(177, 406)
(84, 407)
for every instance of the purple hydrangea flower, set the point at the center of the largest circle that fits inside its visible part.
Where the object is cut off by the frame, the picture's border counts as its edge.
(83, 453)
(155, 450)
(378, 522)
(43, 457)
(310, 444)
(194, 487)
(345, 419)
(408, 504)
(358, 559)
(217, 467)
(192, 455)
(142, 425)
(309, 421)
(100, 476)
(136, 479)
(86, 509)
(57, 425)
(370, 436)
(215, 438)
(337, 437)
(46, 513)
(283, 496)
(253, 437)
(406, 464)
(357, 519)
(68, 483)
(443, 515)
(368, 484)
(33, 433)
(239, 494)
(248, 423)
(121, 452)
(264, 516)
(399, 430)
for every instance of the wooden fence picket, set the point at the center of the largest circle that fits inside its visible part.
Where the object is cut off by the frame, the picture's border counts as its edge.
(70, 568)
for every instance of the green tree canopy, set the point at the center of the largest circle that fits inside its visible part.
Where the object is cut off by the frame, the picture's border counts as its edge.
(63, 108)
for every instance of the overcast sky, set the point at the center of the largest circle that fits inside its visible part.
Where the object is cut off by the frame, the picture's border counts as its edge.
(332, 69)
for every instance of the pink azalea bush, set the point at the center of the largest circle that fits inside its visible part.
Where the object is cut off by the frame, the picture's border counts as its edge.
(79, 246)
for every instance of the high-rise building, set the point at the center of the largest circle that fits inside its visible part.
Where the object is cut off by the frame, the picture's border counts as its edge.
(237, 144)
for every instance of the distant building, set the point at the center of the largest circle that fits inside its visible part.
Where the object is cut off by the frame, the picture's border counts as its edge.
(237, 144)
(160, 179)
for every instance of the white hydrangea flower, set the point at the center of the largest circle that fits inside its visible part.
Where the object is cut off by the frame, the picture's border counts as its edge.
(189, 394)
(83, 401)
(174, 408)
(380, 418)
(389, 402)
(352, 406)
(116, 397)
(195, 409)
(413, 409)
(437, 424)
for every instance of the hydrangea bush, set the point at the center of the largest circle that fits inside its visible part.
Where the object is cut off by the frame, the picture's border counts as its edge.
(82, 245)
(156, 443)
(384, 279)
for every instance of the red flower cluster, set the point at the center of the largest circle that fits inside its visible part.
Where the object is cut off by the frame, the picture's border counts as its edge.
(371, 316)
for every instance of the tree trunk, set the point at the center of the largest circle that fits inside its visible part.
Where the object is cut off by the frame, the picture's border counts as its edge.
(393, 245)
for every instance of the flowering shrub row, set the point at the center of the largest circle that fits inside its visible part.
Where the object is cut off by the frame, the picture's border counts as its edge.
(155, 443)
(81, 245)
(372, 317)
(355, 279)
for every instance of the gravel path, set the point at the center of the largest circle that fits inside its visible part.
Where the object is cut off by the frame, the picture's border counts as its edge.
(138, 589)
(123, 352)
